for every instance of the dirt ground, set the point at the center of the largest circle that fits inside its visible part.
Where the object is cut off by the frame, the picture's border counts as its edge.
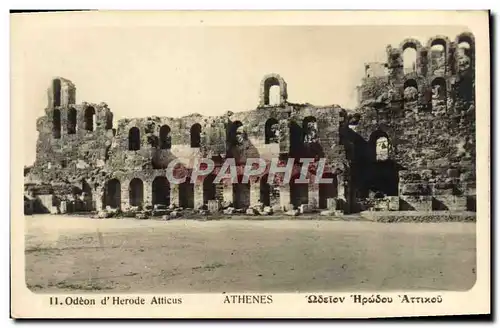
(66, 253)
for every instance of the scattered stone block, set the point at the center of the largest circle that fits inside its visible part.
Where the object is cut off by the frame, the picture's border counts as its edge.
(213, 206)
(292, 212)
(141, 216)
(305, 208)
(268, 210)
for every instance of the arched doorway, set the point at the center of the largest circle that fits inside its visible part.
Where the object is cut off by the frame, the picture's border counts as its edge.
(209, 188)
(113, 194)
(265, 191)
(327, 190)
(241, 194)
(186, 194)
(136, 192)
(161, 191)
(299, 192)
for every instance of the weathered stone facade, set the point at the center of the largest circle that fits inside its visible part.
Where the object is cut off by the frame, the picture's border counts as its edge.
(409, 146)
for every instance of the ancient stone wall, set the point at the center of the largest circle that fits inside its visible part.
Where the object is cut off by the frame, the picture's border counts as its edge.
(126, 166)
(428, 119)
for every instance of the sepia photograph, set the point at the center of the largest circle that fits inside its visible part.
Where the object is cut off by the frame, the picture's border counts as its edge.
(191, 156)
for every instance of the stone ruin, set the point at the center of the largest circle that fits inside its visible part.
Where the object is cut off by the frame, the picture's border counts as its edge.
(410, 145)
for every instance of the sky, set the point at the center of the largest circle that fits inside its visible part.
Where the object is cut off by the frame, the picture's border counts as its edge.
(173, 71)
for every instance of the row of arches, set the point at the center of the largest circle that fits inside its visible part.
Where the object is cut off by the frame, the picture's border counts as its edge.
(90, 123)
(161, 192)
(437, 93)
(308, 132)
(436, 52)
(165, 139)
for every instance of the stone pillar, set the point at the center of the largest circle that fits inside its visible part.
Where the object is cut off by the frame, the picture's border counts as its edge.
(124, 195)
(343, 199)
(285, 197)
(313, 195)
(174, 194)
(147, 194)
(198, 194)
(98, 198)
(254, 192)
(227, 192)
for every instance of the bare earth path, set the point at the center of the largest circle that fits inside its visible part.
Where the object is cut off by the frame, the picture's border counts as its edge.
(83, 255)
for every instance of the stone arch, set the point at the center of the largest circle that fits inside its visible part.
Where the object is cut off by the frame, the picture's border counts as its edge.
(195, 133)
(438, 54)
(186, 194)
(161, 191)
(112, 194)
(134, 139)
(379, 145)
(410, 49)
(56, 92)
(56, 123)
(327, 190)
(272, 131)
(136, 192)
(269, 81)
(165, 138)
(465, 52)
(209, 188)
(71, 121)
(90, 118)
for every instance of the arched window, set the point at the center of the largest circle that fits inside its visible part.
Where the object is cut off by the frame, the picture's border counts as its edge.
(136, 192)
(90, 120)
(236, 133)
(195, 135)
(71, 121)
(438, 87)
(165, 139)
(56, 123)
(310, 129)
(274, 84)
(56, 95)
(272, 131)
(296, 138)
(410, 90)
(134, 139)
(409, 59)
(382, 149)
(438, 56)
(274, 95)
(379, 141)
(109, 121)
(464, 56)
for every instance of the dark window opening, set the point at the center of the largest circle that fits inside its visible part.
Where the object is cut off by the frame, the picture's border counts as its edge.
(195, 135)
(134, 139)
